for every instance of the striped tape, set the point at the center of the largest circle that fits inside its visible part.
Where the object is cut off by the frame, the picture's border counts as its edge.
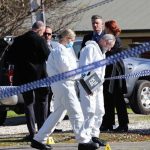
(6, 92)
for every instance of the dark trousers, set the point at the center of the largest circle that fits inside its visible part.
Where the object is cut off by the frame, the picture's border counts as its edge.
(36, 108)
(112, 101)
(49, 100)
(121, 108)
(109, 116)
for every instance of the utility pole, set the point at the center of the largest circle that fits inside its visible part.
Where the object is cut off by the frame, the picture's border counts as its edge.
(37, 9)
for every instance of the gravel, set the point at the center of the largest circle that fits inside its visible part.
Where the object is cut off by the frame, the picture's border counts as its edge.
(13, 126)
(22, 129)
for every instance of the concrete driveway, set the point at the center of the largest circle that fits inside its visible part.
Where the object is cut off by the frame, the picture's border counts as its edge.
(113, 146)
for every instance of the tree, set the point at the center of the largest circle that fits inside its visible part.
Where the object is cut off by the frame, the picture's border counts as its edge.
(63, 15)
(13, 14)
(68, 12)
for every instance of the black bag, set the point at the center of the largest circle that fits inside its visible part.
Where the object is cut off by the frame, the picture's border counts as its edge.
(91, 82)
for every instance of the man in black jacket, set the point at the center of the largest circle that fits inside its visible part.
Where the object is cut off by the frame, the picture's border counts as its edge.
(97, 33)
(28, 54)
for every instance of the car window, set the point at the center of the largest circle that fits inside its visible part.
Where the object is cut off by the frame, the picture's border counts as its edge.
(77, 47)
(143, 55)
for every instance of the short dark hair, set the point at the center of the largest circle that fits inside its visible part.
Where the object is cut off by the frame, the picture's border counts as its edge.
(37, 25)
(94, 17)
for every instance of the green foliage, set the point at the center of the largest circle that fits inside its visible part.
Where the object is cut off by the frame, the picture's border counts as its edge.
(13, 114)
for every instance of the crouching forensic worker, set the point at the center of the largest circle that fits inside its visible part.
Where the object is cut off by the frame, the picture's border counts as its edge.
(93, 104)
(62, 59)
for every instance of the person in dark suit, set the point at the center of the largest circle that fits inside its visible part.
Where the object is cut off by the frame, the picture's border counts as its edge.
(97, 33)
(48, 37)
(114, 89)
(28, 54)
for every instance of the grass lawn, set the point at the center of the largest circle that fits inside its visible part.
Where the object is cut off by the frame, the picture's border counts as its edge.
(13, 114)
(68, 137)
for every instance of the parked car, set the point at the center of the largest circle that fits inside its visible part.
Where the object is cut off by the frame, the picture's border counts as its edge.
(138, 88)
(16, 102)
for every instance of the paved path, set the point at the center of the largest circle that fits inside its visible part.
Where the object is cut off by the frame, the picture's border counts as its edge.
(113, 146)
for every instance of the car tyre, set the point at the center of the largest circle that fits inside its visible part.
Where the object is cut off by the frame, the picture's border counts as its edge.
(140, 101)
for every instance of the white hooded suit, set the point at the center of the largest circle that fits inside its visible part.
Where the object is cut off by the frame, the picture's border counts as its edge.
(92, 105)
(61, 60)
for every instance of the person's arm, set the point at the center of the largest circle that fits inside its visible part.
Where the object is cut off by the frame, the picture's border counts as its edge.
(116, 48)
(86, 56)
(84, 41)
(44, 48)
(86, 38)
(121, 71)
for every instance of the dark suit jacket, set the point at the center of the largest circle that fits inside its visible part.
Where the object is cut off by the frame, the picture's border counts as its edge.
(108, 71)
(89, 37)
(86, 38)
(28, 53)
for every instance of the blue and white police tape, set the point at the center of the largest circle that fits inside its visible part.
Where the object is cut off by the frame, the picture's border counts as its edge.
(131, 75)
(49, 80)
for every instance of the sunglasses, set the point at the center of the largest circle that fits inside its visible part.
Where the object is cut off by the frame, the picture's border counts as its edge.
(45, 33)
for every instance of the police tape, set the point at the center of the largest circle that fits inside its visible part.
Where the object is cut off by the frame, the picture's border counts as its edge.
(7, 92)
(131, 75)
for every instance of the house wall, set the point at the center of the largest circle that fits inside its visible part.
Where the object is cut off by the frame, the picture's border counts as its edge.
(127, 37)
(130, 37)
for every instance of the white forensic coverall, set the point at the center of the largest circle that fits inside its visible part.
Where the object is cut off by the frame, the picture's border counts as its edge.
(92, 105)
(62, 59)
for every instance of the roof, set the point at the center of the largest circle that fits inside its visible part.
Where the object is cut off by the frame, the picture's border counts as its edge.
(130, 14)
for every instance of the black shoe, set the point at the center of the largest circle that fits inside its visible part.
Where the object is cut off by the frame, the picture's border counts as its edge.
(100, 142)
(88, 146)
(28, 138)
(121, 129)
(41, 146)
(105, 129)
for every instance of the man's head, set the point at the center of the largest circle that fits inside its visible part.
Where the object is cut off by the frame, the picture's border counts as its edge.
(107, 42)
(48, 33)
(97, 23)
(38, 27)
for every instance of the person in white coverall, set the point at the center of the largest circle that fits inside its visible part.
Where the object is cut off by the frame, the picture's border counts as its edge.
(60, 60)
(93, 105)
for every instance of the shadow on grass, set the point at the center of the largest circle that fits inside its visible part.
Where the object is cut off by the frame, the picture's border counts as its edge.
(140, 131)
(15, 121)
(133, 131)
